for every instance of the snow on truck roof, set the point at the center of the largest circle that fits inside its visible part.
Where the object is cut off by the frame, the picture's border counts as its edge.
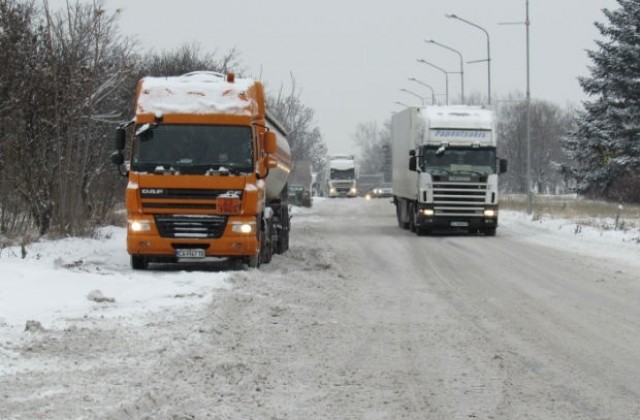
(201, 92)
(458, 116)
(342, 164)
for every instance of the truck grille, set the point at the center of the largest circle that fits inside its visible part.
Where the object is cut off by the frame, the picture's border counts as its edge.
(459, 199)
(191, 226)
(183, 194)
(158, 198)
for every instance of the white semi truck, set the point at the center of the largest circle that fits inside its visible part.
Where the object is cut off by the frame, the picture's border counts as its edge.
(341, 177)
(445, 169)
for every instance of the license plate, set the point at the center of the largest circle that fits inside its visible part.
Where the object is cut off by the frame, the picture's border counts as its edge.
(190, 253)
(459, 224)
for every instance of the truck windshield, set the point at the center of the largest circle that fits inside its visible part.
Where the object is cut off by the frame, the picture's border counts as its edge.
(342, 174)
(192, 148)
(458, 160)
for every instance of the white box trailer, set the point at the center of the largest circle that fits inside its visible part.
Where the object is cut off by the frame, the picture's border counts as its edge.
(445, 169)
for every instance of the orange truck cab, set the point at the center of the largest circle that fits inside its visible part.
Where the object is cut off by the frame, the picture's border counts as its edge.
(207, 170)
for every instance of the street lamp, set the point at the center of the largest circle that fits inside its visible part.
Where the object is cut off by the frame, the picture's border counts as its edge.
(431, 41)
(446, 76)
(527, 23)
(433, 93)
(488, 59)
(401, 104)
(414, 94)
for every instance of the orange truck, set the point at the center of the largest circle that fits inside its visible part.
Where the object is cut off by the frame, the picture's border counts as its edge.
(207, 168)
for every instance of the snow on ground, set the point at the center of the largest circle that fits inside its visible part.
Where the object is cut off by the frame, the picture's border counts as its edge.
(597, 239)
(58, 282)
(64, 280)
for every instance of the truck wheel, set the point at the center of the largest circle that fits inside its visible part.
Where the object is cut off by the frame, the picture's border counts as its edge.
(490, 232)
(401, 223)
(282, 244)
(412, 219)
(424, 231)
(138, 262)
(253, 261)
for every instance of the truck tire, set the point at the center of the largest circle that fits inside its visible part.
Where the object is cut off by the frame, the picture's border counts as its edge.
(401, 223)
(412, 219)
(490, 232)
(282, 244)
(424, 231)
(138, 262)
(253, 261)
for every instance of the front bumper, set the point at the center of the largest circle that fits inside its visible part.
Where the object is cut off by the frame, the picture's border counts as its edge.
(230, 243)
(471, 222)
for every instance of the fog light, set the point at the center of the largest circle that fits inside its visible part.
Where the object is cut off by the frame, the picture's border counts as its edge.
(490, 213)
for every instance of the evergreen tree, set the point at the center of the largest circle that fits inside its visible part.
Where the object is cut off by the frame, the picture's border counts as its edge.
(604, 148)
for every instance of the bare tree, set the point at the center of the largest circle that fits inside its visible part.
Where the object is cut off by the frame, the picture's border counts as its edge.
(374, 142)
(304, 137)
(548, 125)
(63, 70)
(188, 58)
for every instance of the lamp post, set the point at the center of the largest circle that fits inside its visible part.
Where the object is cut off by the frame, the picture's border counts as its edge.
(527, 23)
(446, 76)
(488, 59)
(414, 94)
(433, 93)
(431, 41)
(401, 104)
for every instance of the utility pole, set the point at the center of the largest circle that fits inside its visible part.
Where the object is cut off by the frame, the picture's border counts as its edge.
(528, 181)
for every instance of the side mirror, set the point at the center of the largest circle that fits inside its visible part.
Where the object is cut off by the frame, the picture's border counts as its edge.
(503, 166)
(412, 153)
(412, 163)
(121, 137)
(117, 157)
(270, 144)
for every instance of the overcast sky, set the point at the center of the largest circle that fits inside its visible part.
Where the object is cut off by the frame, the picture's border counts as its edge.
(351, 58)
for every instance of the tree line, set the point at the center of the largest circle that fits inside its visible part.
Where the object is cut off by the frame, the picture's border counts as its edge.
(67, 78)
(593, 151)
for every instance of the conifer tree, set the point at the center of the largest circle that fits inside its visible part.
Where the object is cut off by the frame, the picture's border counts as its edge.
(604, 148)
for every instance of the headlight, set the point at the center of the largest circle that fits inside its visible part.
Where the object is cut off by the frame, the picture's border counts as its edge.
(354, 190)
(332, 190)
(242, 227)
(428, 212)
(490, 213)
(139, 225)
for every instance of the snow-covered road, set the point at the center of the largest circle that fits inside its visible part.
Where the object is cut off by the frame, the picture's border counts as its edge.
(359, 320)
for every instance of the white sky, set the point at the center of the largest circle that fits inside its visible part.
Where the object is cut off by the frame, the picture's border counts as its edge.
(351, 58)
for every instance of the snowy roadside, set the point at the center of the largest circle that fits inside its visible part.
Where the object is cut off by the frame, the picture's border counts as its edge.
(61, 282)
(595, 239)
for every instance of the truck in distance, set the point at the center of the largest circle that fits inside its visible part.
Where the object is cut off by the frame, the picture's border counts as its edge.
(445, 169)
(207, 170)
(341, 176)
